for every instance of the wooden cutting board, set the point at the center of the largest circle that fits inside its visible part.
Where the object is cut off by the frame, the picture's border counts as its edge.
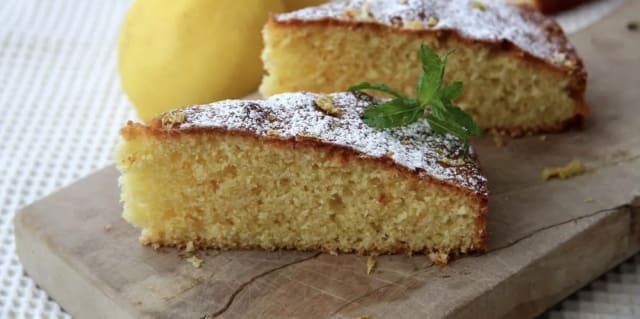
(547, 239)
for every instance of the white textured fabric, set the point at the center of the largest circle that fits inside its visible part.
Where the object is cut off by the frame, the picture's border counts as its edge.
(61, 106)
(61, 109)
(614, 296)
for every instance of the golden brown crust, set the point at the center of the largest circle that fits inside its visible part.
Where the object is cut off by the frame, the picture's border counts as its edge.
(203, 244)
(482, 241)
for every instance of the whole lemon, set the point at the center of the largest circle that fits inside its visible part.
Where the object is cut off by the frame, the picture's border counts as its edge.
(298, 4)
(173, 53)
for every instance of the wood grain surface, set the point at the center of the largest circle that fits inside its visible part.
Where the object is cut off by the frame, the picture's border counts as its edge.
(547, 239)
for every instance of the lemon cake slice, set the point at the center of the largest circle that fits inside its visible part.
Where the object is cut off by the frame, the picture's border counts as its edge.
(300, 171)
(520, 72)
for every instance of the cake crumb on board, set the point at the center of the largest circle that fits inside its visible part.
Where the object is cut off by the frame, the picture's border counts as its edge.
(498, 138)
(190, 247)
(573, 168)
(195, 261)
(107, 228)
(438, 258)
(371, 264)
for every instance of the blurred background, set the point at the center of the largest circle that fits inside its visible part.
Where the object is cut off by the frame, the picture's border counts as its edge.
(62, 105)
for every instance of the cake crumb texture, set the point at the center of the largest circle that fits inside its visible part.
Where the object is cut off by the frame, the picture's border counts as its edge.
(372, 262)
(195, 261)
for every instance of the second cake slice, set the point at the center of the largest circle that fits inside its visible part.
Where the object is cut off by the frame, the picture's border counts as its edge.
(519, 70)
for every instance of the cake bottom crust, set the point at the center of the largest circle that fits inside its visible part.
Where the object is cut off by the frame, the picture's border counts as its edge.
(199, 244)
(440, 258)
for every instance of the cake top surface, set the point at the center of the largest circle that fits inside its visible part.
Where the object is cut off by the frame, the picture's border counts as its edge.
(486, 20)
(334, 119)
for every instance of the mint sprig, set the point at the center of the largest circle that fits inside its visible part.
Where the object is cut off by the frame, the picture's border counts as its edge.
(433, 102)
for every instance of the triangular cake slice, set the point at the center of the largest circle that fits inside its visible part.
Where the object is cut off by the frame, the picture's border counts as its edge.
(300, 171)
(519, 70)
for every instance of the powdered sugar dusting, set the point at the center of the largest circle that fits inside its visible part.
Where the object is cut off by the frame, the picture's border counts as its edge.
(296, 115)
(484, 20)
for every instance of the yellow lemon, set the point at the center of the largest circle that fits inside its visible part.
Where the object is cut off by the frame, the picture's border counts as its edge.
(298, 4)
(172, 53)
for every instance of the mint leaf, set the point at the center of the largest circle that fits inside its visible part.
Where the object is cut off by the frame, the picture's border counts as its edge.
(394, 113)
(452, 90)
(438, 108)
(376, 87)
(464, 119)
(444, 117)
(433, 68)
(442, 126)
(431, 78)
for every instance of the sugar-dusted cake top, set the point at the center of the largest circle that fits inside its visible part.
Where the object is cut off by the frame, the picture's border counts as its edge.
(481, 20)
(334, 120)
